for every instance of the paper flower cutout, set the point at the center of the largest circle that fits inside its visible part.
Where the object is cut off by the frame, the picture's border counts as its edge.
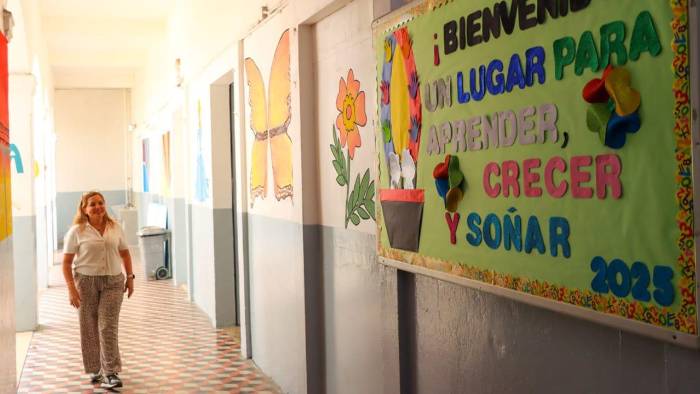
(449, 181)
(594, 91)
(614, 106)
(350, 102)
(626, 98)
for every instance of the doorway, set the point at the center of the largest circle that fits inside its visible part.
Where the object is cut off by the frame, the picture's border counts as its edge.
(232, 134)
(223, 204)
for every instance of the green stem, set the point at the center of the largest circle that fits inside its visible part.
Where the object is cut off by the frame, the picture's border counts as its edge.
(347, 192)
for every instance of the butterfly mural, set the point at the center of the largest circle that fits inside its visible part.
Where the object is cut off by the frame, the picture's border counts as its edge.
(270, 115)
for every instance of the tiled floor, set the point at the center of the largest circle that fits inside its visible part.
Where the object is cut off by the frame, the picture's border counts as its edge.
(167, 345)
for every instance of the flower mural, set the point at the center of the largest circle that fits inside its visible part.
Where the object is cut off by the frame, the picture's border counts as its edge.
(351, 106)
(350, 103)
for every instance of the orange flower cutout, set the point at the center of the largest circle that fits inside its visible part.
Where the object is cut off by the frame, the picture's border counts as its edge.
(351, 105)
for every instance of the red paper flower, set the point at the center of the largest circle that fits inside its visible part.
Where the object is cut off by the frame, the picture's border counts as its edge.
(351, 105)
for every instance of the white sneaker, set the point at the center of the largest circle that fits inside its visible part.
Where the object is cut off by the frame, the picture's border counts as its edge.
(111, 381)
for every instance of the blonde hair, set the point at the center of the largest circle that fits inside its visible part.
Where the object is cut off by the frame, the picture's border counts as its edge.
(81, 217)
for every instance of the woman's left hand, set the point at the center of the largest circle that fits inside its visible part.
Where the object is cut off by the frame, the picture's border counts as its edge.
(129, 286)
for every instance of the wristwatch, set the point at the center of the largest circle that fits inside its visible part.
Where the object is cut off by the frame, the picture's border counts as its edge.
(131, 276)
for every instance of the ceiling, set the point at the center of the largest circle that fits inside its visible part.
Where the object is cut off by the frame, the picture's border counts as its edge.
(101, 43)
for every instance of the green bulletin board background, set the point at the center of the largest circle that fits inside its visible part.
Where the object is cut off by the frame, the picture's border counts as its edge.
(647, 224)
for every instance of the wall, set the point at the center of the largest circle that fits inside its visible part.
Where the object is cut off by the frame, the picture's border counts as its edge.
(35, 201)
(315, 266)
(31, 114)
(22, 89)
(7, 296)
(92, 122)
(275, 229)
(464, 340)
(203, 34)
(7, 288)
(352, 314)
(7, 312)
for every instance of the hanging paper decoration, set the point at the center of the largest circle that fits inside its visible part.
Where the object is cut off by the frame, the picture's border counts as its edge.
(400, 120)
(614, 109)
(449, 182)
(400, 108)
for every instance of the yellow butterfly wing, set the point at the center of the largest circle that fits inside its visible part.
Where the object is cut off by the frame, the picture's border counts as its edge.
(279, 115)
(258, 123)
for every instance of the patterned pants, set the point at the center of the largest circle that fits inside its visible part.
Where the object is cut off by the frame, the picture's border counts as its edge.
(100, 302)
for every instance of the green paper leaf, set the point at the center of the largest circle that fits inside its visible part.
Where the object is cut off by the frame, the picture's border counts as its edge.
(455, 176)
(341, 180)
(355, 219)
(597, 117)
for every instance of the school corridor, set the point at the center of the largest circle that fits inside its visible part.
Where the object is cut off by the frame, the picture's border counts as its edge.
(352, 196)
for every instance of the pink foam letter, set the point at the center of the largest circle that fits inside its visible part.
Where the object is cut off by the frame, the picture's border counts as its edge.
(578, 177)
(531, 178)
(511, 172)
(452, 223)
(610, 177)
(555, 163)
(491, 191)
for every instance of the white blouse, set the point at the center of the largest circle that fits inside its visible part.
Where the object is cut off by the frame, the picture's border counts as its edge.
(95, 254)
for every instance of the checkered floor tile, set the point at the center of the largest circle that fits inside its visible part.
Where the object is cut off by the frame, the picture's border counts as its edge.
(167, 345)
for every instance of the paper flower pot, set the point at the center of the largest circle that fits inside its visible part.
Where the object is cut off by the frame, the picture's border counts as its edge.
(403, 214)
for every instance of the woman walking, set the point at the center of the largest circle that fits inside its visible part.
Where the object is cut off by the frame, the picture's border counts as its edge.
(93, 251)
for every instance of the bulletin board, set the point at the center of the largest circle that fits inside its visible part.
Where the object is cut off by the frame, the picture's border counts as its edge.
(542, 150)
